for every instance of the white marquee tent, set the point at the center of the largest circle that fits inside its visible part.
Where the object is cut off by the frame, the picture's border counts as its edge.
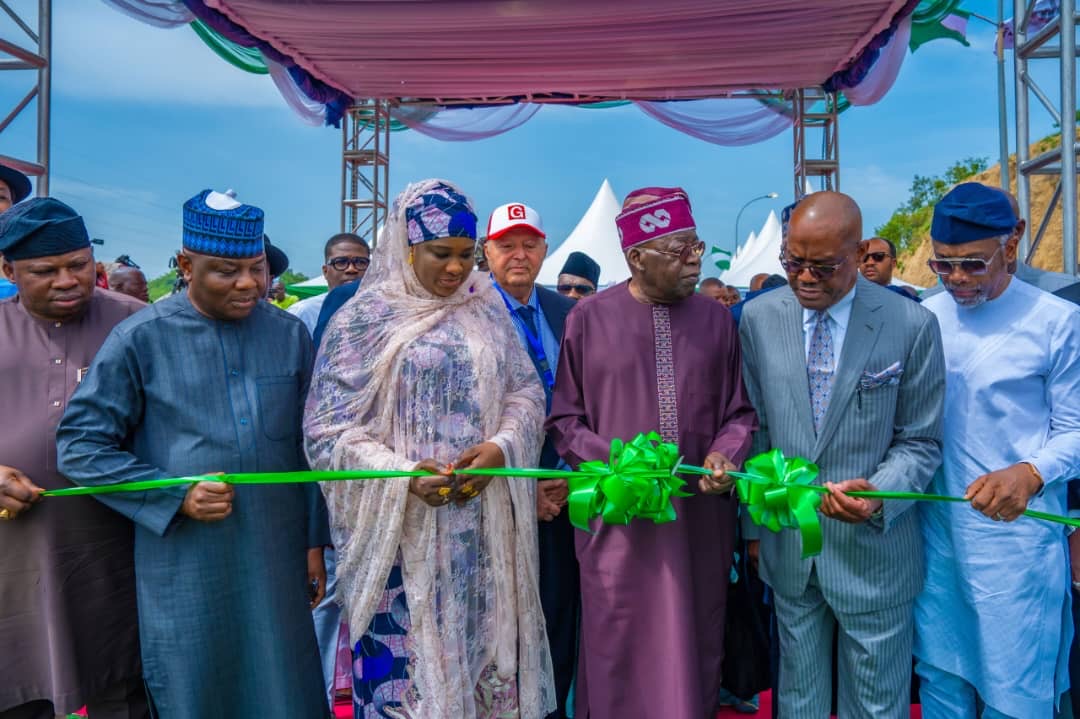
(596, 236)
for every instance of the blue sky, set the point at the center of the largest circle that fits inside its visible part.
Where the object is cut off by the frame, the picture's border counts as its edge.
(144, 118)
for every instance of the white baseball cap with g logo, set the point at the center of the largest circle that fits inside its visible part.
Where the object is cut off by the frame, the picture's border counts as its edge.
(513, 215)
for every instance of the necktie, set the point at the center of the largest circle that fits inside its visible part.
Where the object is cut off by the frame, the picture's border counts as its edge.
(528, 316)
(819, 367)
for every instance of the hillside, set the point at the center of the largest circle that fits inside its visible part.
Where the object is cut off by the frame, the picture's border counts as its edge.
(1047, 256)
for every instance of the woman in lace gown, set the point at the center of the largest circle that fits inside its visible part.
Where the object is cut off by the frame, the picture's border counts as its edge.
(438, 575)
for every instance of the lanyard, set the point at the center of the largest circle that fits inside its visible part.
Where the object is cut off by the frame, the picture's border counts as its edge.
(536, 346)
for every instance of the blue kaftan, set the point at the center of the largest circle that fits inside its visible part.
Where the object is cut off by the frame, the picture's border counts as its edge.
(995, 607)
(223, 608)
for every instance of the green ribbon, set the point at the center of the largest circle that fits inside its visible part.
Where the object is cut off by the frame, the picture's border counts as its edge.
(780, 493)
(637, 481)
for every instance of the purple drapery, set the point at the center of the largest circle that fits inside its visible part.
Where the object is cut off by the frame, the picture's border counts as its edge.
(729, 122)
(721, 122)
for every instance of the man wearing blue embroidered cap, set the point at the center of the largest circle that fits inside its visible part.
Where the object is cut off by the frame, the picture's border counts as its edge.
(992, 622)
(212, 380)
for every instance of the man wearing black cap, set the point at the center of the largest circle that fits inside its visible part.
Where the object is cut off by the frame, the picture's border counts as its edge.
(579, 276)
(14, 187)
(68, 627)
(1012, 441)
(212, 380)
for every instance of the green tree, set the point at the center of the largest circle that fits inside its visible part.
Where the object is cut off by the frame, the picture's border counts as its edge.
(911, 221)
(291, 277)
(161, 286)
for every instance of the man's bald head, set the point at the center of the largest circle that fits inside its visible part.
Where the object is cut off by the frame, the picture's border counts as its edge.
(758, 281)
(821, 254)
(832, 212)
(129, 281)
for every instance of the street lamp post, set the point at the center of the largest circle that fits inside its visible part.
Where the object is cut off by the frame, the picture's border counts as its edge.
(770, 196)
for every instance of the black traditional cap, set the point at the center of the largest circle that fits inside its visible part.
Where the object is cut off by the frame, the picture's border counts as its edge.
(580, 264)
(41, 227)
(970, 212)
(276, 258)
(18, 183)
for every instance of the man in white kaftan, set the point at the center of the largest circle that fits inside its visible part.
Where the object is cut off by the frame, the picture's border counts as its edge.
(993, 622)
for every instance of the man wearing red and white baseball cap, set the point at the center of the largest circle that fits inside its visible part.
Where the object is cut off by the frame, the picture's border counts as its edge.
(515, 248)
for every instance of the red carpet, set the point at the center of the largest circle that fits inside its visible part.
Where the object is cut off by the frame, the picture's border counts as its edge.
(344, 710)
(765, 710)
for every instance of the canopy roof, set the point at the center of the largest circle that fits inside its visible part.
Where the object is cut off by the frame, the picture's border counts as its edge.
(566, 50)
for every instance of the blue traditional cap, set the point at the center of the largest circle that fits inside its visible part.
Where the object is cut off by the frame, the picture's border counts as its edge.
(41, 227)
(970, 212)
(581, 265)
(440, 212)
(216, 224)
(17, 182)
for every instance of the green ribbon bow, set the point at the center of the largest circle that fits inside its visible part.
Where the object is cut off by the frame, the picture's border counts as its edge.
(780, 494)
(637, 481)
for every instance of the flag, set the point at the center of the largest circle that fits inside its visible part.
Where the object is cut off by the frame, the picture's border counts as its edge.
(938, 20)
(720, 258)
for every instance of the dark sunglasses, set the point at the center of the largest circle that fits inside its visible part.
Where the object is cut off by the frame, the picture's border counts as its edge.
(974, 266)
(126, 262)
(342, 263)
(818, 272)
(580, 289)
(876, 256)
(695, 249)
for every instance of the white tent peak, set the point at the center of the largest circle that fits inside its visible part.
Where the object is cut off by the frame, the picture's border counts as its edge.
(760, 253)
(596, 236)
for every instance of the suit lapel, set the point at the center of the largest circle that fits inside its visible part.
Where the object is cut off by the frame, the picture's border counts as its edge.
(792, 339)
(863, 329)
(554, 312)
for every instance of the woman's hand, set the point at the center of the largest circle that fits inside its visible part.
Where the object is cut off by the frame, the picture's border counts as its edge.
(436, 490)
(485, 455)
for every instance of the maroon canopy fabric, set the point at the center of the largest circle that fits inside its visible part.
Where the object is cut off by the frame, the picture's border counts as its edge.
(632, 49)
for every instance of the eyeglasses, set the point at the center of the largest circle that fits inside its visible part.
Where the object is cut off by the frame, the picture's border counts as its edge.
(126, 262)
(342, 263)
(876, 256)
(580, 289)
(695, 249)
(818, 272)
(975, 266)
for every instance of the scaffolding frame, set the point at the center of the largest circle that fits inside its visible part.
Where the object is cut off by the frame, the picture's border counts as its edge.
(365, 164)
(1056, 162)
(816, 113)
(365, 168)
(16, 57)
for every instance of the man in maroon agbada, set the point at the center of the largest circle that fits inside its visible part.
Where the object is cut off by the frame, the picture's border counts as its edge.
(68, 622)
(650, 354)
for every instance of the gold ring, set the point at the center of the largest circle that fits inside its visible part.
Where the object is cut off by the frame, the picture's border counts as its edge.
(444, 491)
(5, 513)
(469, 491)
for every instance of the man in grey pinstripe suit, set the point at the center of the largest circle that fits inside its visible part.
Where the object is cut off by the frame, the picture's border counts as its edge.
(850, 376)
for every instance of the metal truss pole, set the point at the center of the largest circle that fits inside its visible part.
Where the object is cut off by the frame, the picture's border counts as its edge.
(365, 168)
(15, 57)
(816, 111)
(1060, 161)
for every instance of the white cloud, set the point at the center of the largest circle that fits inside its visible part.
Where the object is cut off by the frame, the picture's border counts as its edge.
(101, 53)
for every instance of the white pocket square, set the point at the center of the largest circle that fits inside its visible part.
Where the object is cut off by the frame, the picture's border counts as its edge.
(888, 376)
